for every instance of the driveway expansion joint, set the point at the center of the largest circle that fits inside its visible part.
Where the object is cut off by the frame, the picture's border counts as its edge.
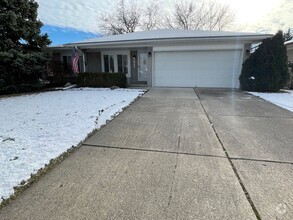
(262, 160)
(154, 151)
(164, 112)
(257, 215)
(251, 116)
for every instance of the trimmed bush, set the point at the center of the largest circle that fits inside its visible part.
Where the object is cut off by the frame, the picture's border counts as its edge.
(266, 69)
(102, 79)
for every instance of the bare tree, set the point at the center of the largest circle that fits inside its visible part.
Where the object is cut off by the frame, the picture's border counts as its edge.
(219, 16)
(200, 16)
(151, 17)
(124, 19)
(128, 16)
(186, 15)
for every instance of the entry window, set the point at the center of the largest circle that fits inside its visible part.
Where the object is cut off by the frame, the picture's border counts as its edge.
(116, 62)
(106, 63)
(109, 63)
(66, 59)
(122, 63)
(67, 64)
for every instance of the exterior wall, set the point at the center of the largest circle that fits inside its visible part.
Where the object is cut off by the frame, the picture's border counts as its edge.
(93, 62)
(290, 60)
(246, 48)
(56, 57)
(200, 46)
(290, 54)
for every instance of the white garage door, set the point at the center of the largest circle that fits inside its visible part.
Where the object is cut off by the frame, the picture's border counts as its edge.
(197, 68)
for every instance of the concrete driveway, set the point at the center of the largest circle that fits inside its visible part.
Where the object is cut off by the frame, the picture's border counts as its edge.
(175, 154)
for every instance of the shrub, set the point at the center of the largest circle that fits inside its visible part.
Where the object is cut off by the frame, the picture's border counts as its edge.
(266, 69)
(58, 75)
(101, 80)
(21, 88)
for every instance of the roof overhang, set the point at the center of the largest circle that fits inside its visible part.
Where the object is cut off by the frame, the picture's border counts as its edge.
(150, 42)
(289, 45)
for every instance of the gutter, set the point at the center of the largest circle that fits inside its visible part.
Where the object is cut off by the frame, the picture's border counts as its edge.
(174, 38)
(165, 40)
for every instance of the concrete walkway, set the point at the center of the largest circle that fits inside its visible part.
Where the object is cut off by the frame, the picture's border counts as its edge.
(175, 154)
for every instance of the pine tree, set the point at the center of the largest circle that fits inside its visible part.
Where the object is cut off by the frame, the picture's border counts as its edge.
(266, 69)
(23, 53)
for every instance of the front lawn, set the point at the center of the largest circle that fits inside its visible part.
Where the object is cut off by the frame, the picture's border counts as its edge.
(36, 128)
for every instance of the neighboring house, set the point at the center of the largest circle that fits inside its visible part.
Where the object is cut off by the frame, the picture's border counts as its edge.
(175, 58)
(289, 45)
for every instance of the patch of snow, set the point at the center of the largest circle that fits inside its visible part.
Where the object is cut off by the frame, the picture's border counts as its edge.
(36, 128)
(284, 100)
(252, 77)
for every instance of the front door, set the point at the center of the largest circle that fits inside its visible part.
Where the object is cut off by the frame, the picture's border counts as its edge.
(142, 66)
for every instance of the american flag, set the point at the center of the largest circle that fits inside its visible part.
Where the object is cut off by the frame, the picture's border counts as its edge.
(74, 59)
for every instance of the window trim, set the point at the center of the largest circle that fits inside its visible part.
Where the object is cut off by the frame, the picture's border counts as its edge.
(115, 53)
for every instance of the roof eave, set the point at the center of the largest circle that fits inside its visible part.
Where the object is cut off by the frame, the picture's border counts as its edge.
(288, 43)
(250, 38)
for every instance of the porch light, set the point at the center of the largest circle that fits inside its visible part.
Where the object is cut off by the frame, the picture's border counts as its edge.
(150, 54)
(247, 52)
(134, 61)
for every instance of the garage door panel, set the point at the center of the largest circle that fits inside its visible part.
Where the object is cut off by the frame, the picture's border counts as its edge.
(197, 68)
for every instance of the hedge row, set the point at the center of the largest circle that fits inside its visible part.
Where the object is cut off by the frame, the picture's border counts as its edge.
(101, 79)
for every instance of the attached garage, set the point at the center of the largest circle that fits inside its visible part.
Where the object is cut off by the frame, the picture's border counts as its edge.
(210, 68)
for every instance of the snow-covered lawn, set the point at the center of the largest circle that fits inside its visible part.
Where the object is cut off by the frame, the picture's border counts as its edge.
(36, 128)
(284, 100)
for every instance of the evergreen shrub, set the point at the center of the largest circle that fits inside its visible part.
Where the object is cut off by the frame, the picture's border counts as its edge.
(266, 70)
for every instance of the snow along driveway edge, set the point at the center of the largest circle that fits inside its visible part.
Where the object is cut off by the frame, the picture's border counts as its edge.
(282, 99)
(24, 184)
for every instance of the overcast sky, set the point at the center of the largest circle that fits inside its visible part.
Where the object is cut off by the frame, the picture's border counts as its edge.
(251, 15)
